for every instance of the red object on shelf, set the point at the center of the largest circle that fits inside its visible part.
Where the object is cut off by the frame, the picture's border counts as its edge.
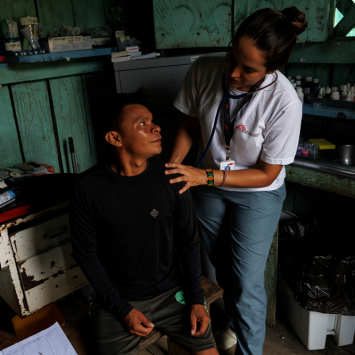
(14, 213)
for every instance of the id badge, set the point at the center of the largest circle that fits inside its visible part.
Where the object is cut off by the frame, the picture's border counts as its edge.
(227, 165)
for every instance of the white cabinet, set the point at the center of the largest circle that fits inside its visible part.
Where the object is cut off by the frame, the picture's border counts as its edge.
(36, 266)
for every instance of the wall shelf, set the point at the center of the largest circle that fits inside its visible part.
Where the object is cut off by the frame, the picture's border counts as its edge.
(49, 57)
(328, 111)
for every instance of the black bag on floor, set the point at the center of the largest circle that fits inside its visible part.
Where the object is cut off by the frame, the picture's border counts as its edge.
(317, 261)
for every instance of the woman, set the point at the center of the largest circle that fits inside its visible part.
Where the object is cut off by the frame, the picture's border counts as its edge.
(238, 218)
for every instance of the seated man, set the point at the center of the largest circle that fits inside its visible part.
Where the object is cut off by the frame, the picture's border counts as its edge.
(126, 220)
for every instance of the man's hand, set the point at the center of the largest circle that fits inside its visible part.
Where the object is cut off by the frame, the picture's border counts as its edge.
(137, 323)
(199, 319)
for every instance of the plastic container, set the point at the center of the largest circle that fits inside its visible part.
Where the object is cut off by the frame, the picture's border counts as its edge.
(315, 87)
(300, 94)
(313, 327)
(335, 95)
(307, 86)
(37, 321)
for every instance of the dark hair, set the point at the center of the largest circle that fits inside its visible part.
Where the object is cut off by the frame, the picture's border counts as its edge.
(274, 33)
(107, 116)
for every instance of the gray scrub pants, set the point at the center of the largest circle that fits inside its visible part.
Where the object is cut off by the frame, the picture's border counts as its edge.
(167, 311)
(237, 230)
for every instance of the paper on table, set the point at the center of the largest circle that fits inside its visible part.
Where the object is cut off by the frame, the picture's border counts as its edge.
(51, 341)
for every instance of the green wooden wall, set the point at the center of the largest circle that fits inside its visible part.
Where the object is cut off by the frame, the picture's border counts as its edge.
(201, 23)
(42, 104)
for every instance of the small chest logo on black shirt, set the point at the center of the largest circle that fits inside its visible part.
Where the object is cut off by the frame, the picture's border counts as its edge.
(154, 213)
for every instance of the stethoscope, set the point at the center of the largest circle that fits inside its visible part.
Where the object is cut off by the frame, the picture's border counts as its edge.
(227, 95)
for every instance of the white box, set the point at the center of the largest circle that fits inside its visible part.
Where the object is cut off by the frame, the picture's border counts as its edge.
(313, 327)
(70, 43)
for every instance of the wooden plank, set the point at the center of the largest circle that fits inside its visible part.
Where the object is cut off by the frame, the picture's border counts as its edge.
(54, 14)
(107, 8)
(270, 276)
(14, 10)
(321, 180)
(10, 152)
(68, 56)
(346, 24)
(89, 13)
(71, 120)
(186, 24)
(35, 122)
(326, 52)
(16, 73)
(344, 6)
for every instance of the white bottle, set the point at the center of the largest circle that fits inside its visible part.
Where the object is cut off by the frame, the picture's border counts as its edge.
(348, 87)
(349, 97)
(300, 94)
(335, 95)
(321, 93)
(298, 83)
(307, 85)
(344, 94)
(328, 92)
(353, 93)
(299, 77)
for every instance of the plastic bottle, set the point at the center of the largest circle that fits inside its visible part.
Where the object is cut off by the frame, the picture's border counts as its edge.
(348, 87)
(299, 78)
(344, 93)
(335, 95)
(299, 83)
(349, 97)
(321, 93)
(328, 93)
(307, 85)
(300, 94)
(315, 87)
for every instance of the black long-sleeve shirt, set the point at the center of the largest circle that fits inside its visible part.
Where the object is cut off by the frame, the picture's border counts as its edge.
(123, 232)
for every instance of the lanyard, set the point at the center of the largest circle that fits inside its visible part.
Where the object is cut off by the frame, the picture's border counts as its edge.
(229, 124)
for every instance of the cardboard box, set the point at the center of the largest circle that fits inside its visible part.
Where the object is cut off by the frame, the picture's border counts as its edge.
(65, 44)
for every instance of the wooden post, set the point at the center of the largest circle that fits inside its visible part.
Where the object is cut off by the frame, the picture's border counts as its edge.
(271, 280)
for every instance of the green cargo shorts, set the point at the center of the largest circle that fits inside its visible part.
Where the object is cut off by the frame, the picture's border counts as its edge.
(167, 312)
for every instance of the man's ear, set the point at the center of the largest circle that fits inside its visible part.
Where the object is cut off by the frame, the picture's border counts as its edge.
(114, 139)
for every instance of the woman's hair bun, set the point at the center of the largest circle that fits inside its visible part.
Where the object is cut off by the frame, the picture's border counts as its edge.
(297, 17)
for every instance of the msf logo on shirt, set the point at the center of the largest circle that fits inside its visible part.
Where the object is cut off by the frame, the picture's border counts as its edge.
(242, 129)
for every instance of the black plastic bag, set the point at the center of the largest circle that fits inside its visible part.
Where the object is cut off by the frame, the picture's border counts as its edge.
(317, 261)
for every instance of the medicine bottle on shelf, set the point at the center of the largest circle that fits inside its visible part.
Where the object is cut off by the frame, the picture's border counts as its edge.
(300, 94)
(307, 86)
(335, 95)
(315, 87)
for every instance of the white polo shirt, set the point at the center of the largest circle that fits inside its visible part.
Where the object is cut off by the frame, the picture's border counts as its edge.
(267, 127)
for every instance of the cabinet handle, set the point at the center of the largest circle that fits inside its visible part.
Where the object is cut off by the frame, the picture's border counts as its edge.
(55, 235)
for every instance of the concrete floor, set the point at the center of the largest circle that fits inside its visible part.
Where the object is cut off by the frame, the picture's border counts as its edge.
(280, 340)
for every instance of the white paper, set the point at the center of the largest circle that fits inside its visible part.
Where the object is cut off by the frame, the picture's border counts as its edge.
(51, 341)
(146, 56)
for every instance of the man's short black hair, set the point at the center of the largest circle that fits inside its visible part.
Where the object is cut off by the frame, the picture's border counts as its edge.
(107, 116)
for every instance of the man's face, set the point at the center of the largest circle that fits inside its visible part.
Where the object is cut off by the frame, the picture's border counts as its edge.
(139, 136)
